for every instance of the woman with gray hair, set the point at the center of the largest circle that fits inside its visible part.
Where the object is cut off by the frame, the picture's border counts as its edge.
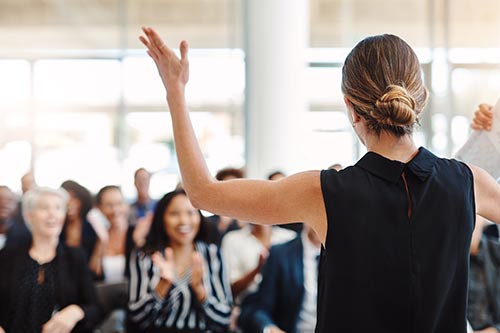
(47, 286)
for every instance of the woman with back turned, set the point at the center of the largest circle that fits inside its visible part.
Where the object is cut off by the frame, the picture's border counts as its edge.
(395, 227)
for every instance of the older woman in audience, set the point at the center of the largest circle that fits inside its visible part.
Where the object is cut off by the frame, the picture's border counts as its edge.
(47, 286)
(178, 283)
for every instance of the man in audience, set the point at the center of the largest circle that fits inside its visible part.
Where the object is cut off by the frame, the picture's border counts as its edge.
(144, 205)
(245, 252)
(27, 183)
(11, 233)
(287, 295)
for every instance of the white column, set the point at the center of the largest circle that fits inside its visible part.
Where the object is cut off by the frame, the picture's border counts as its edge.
(277, 35)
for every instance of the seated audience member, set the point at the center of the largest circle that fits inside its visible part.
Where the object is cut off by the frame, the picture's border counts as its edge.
(47, 285)
(483, 308)
(178, 282)
(246, 251)
(297, 227)
(117, 245)
(144, 205)
(219, 226)
(287, 296)
(11, 233)
(115, 250)
(77, 231)
(27, 183)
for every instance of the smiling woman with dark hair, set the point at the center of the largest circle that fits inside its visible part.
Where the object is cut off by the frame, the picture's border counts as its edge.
(178, 283)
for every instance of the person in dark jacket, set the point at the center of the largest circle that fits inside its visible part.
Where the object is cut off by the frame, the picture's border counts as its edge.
(46, 286)
(483, 311)
(11, 233)
(77, 230)
(287, 296)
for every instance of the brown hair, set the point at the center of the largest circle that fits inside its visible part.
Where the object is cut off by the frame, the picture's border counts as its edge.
(229, 172)
(382, 79)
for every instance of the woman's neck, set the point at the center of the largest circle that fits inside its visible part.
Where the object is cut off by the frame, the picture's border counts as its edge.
(74, 221)
(394, 148)
(43, 249)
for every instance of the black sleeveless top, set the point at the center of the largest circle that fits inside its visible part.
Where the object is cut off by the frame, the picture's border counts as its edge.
(397, 247)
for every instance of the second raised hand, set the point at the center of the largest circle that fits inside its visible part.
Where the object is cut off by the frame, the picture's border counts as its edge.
(174, 72)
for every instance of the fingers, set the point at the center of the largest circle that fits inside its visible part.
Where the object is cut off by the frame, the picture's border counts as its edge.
(197, 263)
(158, 45)
(169, 254)
(483, 118)
(486, 107)
(157, 259)
(184, 51)
(150, 51)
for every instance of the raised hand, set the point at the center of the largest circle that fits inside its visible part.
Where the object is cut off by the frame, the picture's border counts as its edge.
(262, 258)
(483, 118)
(141, 230)
(174, 72)
(196, 280)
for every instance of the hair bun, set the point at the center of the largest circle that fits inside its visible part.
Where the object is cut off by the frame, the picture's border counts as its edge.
(396, 107)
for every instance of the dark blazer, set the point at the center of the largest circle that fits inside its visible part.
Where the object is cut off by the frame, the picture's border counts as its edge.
(279, 298)
(490, 251)
(73, 281)
(18, 235)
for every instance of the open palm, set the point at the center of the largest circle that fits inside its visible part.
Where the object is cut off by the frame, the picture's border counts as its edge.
(174, 72)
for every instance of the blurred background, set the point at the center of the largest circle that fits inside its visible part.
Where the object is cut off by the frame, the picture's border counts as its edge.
(80, 99)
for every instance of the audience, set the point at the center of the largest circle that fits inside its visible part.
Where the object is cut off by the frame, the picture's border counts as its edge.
(46, 286)
(27, 183)
(287, 295)
(118, 243)
(178, 283)
(77, 231)
(144, 205)
(219, 226)
(11, 233)
(483, 311)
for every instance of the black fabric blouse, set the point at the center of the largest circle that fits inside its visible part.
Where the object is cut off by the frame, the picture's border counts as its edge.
(66, 280)
(397, 247)
(36, 299)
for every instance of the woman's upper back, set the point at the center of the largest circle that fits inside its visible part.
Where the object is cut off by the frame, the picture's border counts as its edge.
(396, 257)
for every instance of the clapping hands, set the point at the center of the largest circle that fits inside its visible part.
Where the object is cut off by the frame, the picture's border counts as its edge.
(167, 269)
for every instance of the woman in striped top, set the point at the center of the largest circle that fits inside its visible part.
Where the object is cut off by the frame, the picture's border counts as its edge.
(178, 283)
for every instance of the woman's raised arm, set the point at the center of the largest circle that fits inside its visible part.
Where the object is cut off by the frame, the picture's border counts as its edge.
(294, 199)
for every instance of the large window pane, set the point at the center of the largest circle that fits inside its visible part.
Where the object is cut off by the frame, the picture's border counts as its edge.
(77, 82)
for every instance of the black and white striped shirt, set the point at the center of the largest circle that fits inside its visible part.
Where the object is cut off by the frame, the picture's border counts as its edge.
(180, 310)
